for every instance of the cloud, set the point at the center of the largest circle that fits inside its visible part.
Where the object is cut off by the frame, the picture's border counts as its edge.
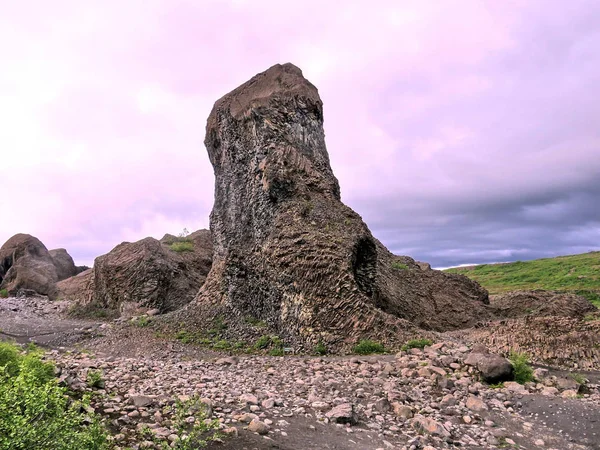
(462, 131)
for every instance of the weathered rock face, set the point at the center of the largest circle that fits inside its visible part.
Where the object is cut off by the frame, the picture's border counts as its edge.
(287, 250)
(65, 266)
(147, 273)
(27, 266)
(552, 340)
(540, 303)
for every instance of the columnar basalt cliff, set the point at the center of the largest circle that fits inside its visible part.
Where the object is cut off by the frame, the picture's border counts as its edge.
(287, 251)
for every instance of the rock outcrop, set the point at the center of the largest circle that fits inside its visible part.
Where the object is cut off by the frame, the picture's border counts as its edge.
(65, 266)
(148, 273)
(287, 250)
(27, 267)
(540, 303)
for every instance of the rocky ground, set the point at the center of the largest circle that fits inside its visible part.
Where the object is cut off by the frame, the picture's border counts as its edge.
(420, 399)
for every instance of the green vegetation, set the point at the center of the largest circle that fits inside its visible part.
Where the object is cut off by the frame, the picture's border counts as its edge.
(580, 379)
(320, 349)
(3, 293)
(399, 266)
(522, 370)
(142, 321)
(191, 435)
(579, 274)
(182, 246)
(368, 347)
(36, 413)
(416, 343)
(497, 385)
(250, 320)
(94, 379)
(269, 341)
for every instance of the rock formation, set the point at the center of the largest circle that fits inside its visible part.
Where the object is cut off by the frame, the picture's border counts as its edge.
(287, 251)
(65, 266)
(147, 273)
(540, 303)
(26, 266)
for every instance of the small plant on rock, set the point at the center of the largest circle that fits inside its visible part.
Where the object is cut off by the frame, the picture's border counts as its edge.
(320, 349)
(416, 343)
(399, 266)
(368, 347)
(94, 379)
(522, 370)
(3, 293)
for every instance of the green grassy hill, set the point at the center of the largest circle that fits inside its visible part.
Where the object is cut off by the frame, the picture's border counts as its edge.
(574, 273)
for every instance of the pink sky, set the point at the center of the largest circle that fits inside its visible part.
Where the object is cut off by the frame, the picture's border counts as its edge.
(462, 131)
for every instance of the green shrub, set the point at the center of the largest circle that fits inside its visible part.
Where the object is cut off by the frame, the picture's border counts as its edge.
(416, 343)
(35, 413)
(399, 266)
(222, 345)
(277, 351)
(320, 349)
(367, 347)
(3, 293)
(522, 370)
(94, 379)
(182, 246)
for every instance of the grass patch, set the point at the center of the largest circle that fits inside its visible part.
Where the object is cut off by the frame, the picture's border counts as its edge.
(522, 369)
(142, 321)
(320, 349)
(416, 343)
(182, 246)
(270, 342)
(36, 413)
(580, 379)
(257, 323)
(497, 385)
(3, 293)
(579, 274)
(399, 266)
(368, 347)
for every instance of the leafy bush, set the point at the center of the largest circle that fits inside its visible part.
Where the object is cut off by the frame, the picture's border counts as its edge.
(399, 266)
(35, 413)
(320, 349)
(277, 351)
(182, 246)
(522, 370)
(367, 347)
(94, 379)
(3, 293)
(416, 343)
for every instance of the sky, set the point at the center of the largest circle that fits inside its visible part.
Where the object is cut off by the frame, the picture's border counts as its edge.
(462, 131)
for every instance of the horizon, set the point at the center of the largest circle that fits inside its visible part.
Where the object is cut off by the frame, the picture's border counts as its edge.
(459, 133)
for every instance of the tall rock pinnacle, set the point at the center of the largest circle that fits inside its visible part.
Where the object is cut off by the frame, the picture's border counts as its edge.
(287, 251)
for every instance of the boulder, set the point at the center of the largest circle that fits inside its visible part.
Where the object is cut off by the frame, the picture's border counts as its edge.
(492, 368)
(26, 265)
(161, 275)
(288, 252)
(65, 266)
